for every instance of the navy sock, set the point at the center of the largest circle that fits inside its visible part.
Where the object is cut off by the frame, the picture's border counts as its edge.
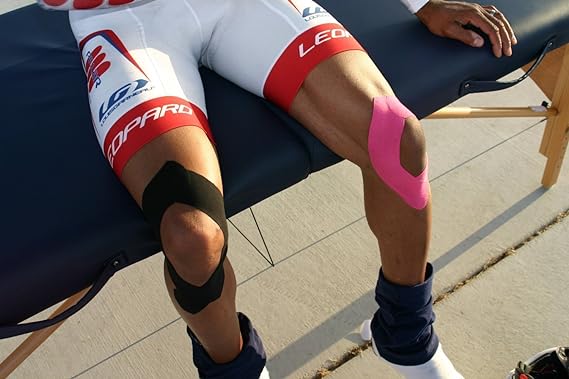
(402, 327)
(247, 365)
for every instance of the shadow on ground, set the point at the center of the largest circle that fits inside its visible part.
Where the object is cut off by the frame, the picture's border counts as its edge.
(343, 323)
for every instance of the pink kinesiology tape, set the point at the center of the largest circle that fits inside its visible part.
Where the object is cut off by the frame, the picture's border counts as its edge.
(384, 141)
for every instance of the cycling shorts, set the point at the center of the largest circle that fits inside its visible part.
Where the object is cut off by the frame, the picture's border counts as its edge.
(142, 60)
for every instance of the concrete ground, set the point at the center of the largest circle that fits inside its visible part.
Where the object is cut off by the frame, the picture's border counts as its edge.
(485, 177)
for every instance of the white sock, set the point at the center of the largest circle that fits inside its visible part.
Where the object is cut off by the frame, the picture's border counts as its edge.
(264, 374)
(438, 367)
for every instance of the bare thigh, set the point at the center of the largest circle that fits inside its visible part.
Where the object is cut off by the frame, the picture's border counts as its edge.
(335, 103)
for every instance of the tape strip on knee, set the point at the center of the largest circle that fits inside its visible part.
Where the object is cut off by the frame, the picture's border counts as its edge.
(384, 143)
(174, 184)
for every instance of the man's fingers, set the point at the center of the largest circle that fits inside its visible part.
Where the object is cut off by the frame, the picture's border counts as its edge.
(500, 16)
(504, 35)
(464, 35)
(479, 19)
(469, 22)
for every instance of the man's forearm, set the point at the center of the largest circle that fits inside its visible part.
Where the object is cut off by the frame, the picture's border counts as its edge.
(414, 5)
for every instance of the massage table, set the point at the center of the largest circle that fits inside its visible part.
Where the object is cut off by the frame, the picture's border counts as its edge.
(69, 225)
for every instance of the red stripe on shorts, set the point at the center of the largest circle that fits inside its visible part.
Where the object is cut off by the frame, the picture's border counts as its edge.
(301, 56)
(147, 121)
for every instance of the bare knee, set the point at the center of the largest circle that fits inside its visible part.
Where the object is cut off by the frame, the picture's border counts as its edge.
(413, 150)
(192, 242)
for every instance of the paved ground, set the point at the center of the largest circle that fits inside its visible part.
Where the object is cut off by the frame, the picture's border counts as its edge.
(516, 308)
(485, 177)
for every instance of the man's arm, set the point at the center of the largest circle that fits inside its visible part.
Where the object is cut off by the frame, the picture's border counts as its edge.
(448, 18)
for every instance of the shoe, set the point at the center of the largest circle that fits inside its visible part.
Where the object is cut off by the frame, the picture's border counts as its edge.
(438, 367)
(249, 364)
(549, 364)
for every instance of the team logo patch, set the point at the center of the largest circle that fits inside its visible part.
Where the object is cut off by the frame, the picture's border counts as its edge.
(311, 13)
(122, 95)
(308, 9)
(95, 67)
(96, 56)
(110, 70)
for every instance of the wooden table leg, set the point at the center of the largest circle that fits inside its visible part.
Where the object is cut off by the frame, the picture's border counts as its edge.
(556, 134)
(35, 339)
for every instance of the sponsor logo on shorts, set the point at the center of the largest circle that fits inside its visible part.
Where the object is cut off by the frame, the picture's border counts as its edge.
(110, 70)
(145, 122)
(311, 13)
(98, 60)
(301, 56)
(122, 95)
(321, 38)
(95, 66)
(141, 121)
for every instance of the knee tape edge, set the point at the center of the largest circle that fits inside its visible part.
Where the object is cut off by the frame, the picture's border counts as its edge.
(384, 141)
(194, 299)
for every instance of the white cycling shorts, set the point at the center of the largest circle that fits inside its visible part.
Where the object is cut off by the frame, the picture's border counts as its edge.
(142, 60)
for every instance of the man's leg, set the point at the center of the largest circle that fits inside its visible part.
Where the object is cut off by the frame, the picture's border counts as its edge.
(342, 123)
(397, 200)
(148, 110)
(194, 244)
(191, 240)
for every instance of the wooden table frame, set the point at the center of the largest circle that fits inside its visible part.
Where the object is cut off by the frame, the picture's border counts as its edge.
(552, 76)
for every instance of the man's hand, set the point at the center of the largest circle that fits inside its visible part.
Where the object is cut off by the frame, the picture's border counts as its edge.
(448, 18)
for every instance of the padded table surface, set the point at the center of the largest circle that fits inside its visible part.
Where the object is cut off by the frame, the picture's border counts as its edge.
(66, 215)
